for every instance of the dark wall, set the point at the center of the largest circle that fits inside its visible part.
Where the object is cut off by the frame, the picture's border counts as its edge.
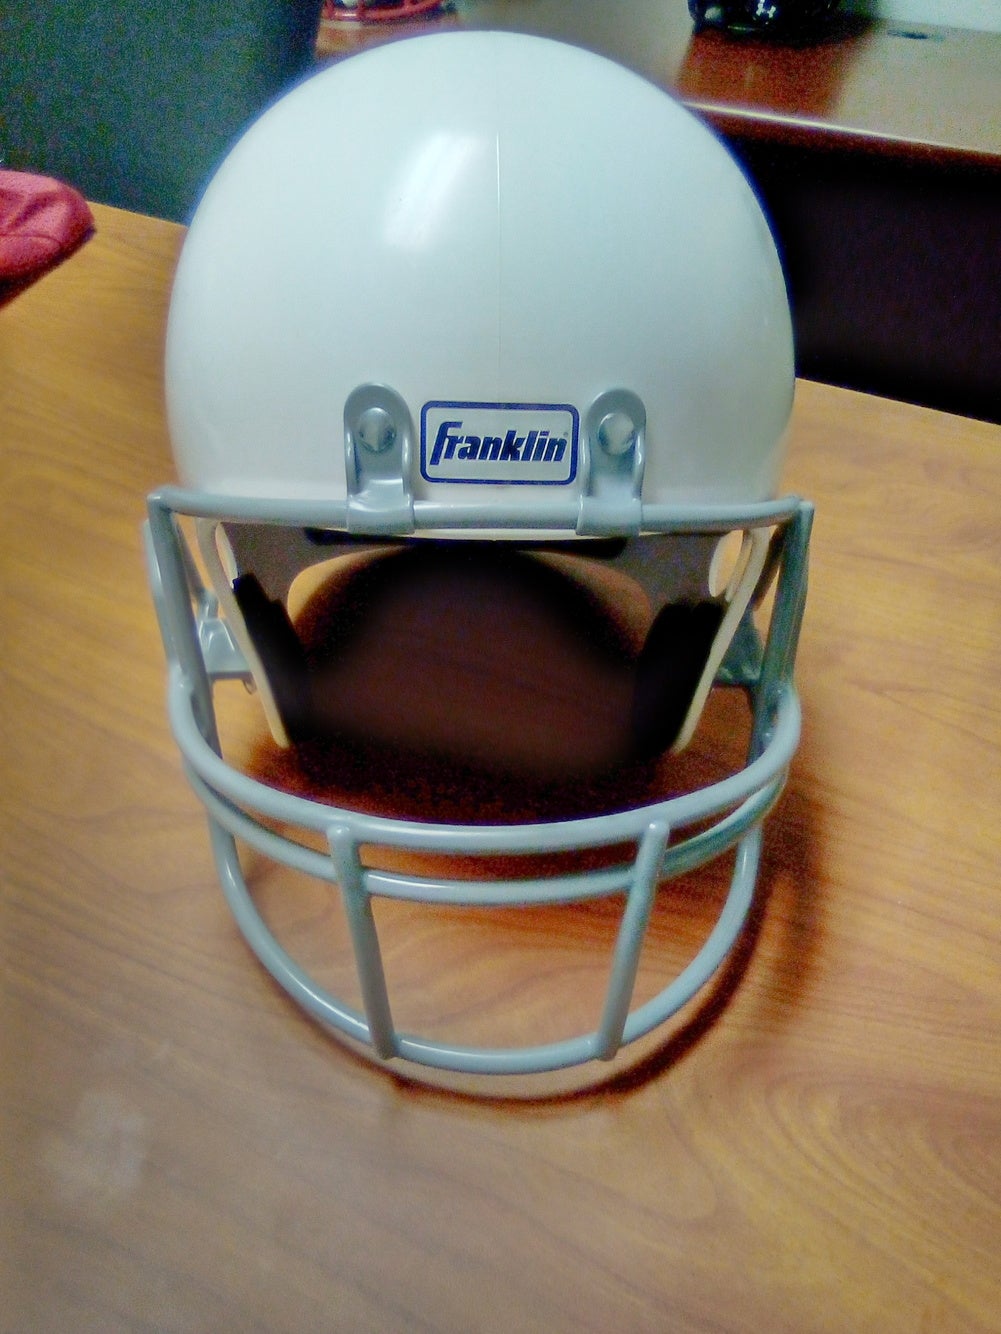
(135, 103)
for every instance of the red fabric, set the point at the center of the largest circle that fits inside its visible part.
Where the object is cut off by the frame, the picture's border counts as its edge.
(42, 222)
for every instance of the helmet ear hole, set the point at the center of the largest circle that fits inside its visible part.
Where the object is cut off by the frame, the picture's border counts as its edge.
(668, 671)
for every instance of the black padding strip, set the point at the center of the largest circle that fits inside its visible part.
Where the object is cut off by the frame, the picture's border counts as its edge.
(668, 672)
(281, 654)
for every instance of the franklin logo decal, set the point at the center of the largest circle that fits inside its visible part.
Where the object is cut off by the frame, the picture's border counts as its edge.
(527, 444)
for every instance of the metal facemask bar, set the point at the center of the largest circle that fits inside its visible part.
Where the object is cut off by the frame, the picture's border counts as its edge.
(200, 651)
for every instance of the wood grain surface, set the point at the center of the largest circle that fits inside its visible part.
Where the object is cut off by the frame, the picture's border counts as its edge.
(814, 1146)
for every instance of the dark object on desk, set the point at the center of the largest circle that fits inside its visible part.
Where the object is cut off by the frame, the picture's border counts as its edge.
(798, 20)
(42, 223)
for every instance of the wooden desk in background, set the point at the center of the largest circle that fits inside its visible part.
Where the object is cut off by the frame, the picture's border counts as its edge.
(180, 1149)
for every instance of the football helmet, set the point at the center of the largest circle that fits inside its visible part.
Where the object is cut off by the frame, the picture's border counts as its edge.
(551, 326)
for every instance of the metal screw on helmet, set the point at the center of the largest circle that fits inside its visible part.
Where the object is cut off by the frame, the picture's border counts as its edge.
(378, 436)
(376, 431)
(616, 433)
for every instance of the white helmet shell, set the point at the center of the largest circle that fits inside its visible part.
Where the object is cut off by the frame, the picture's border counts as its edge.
(504, 221)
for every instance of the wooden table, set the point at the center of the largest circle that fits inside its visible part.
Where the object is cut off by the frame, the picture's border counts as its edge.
(817, 1149)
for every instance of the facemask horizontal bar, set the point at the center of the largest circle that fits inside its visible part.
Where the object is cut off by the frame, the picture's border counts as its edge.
(594, 831)
(583, 886)
(433, 516)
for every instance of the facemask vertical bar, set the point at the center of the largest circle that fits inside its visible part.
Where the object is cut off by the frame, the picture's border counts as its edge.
(717, 947)
(368, 956)
(753, 557)
(170, 567)
(632, 932)
(787, 618)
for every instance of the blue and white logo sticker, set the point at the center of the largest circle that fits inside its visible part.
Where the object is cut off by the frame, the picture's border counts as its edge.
(527, 444)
